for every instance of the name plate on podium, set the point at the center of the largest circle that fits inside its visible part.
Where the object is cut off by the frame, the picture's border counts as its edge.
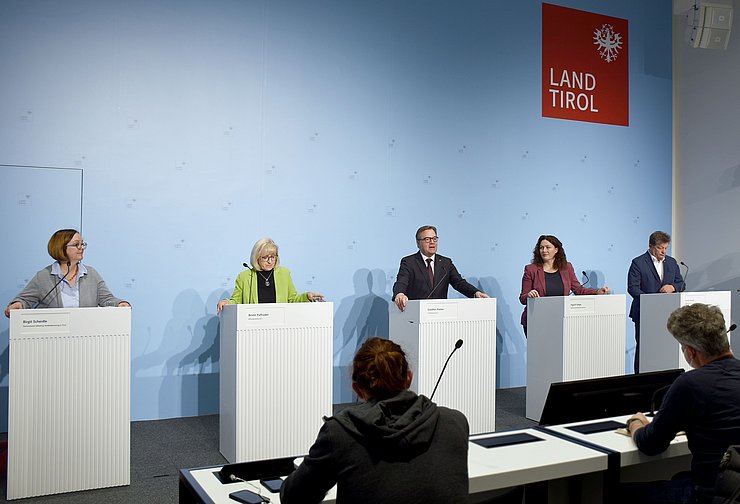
(580, 306)
(439, 311)
(274, 317)
(33, 324)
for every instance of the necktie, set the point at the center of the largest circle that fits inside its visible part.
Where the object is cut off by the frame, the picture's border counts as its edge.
(430, 272)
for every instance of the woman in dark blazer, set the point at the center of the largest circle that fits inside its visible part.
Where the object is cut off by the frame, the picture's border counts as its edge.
(550, 274)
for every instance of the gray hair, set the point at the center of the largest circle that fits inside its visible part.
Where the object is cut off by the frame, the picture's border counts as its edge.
(700, 326)
(659, 237)
(263, 247)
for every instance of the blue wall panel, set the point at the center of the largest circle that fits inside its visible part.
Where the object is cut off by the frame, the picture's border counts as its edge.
(34, 202)
(336, 128)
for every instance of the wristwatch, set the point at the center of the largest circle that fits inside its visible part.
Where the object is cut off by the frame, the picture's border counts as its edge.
(628, 423)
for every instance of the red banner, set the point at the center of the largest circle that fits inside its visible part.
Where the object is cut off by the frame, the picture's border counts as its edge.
(585, 66)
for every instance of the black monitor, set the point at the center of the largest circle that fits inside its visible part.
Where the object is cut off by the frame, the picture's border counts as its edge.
(580, 400)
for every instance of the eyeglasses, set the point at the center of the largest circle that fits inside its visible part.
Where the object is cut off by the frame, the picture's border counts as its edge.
(429, 239)
(269, 258)
(78, 246)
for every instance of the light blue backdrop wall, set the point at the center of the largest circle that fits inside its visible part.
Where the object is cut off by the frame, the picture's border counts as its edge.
(336, 128)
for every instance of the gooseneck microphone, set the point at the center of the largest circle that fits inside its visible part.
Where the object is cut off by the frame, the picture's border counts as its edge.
(55, 286)
(588, 279)
(458, 344)
(251, 274)
(732, 328)
(437, 283)
(685, 276)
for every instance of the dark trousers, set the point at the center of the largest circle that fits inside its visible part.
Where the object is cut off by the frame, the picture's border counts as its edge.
(637, 347)
(677, 491)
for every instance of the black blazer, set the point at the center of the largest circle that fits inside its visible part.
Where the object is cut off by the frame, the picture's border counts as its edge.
(413, 280)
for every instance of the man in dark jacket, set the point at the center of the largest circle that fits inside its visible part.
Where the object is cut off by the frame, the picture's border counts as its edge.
(704, 403)
(651, 273)
(428, 275)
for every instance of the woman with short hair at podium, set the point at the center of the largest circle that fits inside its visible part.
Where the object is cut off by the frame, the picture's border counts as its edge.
(66, 283)
(550, 274)
(267, 281)
(395, 446)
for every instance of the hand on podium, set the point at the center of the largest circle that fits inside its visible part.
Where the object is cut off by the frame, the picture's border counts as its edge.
(401, 300)
(13, 306)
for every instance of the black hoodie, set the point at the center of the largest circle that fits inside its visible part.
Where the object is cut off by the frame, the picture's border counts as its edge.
(403, 449)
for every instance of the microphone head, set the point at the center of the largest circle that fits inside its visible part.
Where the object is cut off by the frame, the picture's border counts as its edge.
(732, 328)
(246, 265)
(458, 344)
(682, 263)
(584, 273)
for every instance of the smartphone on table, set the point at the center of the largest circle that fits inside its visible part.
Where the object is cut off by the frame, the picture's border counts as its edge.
(272, 484)
(247, 497)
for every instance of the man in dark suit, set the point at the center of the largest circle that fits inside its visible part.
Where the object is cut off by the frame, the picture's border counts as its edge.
(651, 273)
(427, 275)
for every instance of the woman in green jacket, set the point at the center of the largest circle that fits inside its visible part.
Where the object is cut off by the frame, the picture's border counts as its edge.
(267, 282)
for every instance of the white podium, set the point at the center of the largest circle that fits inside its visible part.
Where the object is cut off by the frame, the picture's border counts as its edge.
(572, 338)
(428, 329)
(275, 379)
(658, 349)
(69, 413)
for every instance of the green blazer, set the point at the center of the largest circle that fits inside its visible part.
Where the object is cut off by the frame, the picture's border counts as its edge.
(245, 290)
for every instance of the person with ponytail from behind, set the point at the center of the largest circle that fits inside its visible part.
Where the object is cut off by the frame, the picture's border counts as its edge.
(395, 446)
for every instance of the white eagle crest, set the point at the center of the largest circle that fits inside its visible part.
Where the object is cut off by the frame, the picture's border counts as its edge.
(608, 43)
